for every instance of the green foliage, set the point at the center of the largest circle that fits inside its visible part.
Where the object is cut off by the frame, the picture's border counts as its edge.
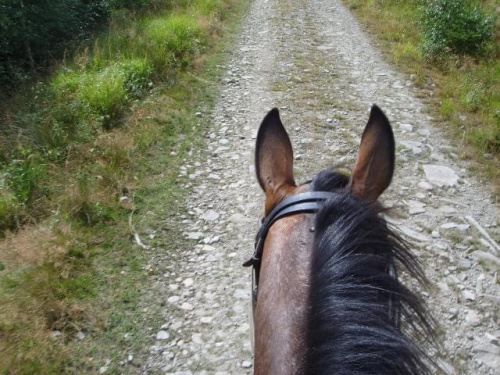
(137, 74)
(9, 210)
(104, 92)
(179, 34)
(34, 32)
(456, 26)
(207, 7)
(22, 175)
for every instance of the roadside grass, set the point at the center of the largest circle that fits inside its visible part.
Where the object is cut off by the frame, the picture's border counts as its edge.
(464, 91)
(86, 156)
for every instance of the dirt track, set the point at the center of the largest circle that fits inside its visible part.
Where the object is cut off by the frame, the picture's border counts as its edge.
(311, 59)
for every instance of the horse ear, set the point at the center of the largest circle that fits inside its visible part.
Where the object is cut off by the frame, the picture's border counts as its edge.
(375, 165)
(273, 155)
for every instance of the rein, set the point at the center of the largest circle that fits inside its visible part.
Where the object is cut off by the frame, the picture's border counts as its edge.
(309, 202)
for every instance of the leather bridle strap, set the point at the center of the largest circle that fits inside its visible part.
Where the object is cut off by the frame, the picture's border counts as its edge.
(309, 202)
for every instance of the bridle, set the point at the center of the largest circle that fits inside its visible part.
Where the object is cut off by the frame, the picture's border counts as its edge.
(308, 202)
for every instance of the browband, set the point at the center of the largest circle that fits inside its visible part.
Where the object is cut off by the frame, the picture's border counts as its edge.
(309, 202)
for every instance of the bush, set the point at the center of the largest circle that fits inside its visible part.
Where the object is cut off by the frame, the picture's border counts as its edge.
(103, 92)
(35, 32)
(179, 34)
(456, 26)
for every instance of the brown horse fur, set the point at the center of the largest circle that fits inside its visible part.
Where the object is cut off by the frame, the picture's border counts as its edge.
(283, 310)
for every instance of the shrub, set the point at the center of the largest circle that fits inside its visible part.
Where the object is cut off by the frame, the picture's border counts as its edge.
(456, 26)
(104, 92)
(179, 34)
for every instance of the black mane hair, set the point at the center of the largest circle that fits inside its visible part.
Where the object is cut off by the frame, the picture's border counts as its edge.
(362, 319)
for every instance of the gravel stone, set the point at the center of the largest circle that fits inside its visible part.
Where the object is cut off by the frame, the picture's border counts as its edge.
(312, 60)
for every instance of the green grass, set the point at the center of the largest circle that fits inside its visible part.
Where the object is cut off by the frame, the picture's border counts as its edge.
(112, 121)
(467, 89)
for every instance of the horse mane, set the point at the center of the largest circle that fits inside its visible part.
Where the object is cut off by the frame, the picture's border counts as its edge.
(356, 304)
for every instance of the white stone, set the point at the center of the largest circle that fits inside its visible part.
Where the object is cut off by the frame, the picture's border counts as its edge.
(187, 306)
(468, 295)
(194, 235)
(489, 354)
(406, 127)
(173, 299)
(440, 175)
(210, 215)
(246, 364)
(206, 319)
(486, 257)
(473, 318)
(162, 335)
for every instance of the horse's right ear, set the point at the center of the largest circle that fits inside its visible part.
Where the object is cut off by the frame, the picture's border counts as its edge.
(373, 171)
(273, 155)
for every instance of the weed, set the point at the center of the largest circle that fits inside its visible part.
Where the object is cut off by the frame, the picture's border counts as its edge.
(22, 175)
(179, 35)
(10, 210)
(447, 108)
(209, 7)
(137, 74)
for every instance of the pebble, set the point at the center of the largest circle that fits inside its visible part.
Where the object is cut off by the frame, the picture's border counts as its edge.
(473, 318)
(206, 319)
(187, 306)
(406, 127)
(162, 335)
(468, 295)
(210, 215)
(425, 185)
(246, 364)
(440, 175)
(173, 299)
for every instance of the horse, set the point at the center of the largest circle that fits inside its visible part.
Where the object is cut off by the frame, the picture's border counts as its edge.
(327, 296)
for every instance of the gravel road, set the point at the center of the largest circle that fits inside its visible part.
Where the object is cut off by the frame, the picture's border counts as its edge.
(312, 60)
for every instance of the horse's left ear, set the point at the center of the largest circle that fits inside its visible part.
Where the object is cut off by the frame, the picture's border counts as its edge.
(273, 155)
(375, 165)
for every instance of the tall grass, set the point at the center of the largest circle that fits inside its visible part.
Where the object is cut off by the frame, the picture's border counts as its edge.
(71, 148)
(91, 95)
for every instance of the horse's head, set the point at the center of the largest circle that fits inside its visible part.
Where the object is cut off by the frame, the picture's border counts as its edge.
(287, 240)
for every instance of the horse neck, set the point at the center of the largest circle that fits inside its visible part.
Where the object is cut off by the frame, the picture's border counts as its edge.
(282, 307)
